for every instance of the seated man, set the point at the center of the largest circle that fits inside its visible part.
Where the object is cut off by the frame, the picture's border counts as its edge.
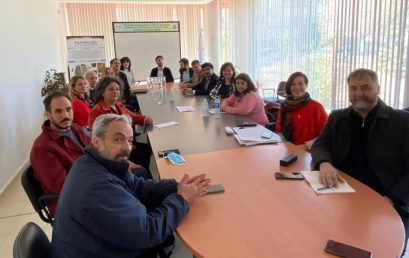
(369, 141)
(185, 71)
(118, 74)
(58, 146)
(162, 70)
(195, 78)
(104, 211)
(206, 85)
(91, 77)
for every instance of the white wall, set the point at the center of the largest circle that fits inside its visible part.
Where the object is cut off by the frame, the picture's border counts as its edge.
(29, 45)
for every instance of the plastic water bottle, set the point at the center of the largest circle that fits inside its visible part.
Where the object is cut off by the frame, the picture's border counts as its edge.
(205, 108)
(216, 106)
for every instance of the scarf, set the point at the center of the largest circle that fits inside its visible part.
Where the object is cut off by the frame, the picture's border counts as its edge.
(86, 99)
(288, 106)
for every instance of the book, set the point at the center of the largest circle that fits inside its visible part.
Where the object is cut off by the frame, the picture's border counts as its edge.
(312, 177)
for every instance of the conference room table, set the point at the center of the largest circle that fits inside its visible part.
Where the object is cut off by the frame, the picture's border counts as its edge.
(194, 133)
(257, 215)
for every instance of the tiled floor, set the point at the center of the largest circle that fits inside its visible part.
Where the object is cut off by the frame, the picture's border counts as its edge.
(16, 211)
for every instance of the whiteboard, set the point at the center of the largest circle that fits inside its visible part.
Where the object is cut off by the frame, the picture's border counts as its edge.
(143, 41)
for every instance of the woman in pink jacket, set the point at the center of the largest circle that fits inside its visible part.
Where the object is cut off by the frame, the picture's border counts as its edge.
(245, 100)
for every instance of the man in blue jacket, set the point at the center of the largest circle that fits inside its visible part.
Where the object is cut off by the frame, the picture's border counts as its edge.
(104, 211)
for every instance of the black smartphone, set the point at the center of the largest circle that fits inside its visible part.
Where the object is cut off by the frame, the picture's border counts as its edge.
(164, 153)
(346, 251)
(289, 175)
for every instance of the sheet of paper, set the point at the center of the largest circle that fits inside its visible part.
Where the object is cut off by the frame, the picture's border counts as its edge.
(167, 124)
(312, 179)
(185, 108)
(251, 143)
(253, 133)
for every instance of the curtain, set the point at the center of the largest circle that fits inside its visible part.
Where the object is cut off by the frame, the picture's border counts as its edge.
(95, 19)
(325, 39)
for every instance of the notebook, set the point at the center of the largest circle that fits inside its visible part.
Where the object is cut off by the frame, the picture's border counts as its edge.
(312, 178)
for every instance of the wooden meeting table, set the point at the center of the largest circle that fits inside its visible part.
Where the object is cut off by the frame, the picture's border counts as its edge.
(259, 216)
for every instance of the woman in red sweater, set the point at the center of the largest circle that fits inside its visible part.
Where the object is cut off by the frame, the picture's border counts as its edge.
(107, 99)
(300, 118)
(81, 102)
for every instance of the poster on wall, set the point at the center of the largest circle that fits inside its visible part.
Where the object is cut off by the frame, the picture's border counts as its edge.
(86, 53)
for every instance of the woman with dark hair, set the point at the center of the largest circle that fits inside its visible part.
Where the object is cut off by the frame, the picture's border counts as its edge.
(246, 101)
(81, 102)
(225, 86)
(300, 118)
(126, 69)
(108, 102)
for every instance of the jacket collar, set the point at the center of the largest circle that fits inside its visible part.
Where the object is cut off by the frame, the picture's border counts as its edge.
(107, 109)
(382, 111)
(117, 168)
(55, 134)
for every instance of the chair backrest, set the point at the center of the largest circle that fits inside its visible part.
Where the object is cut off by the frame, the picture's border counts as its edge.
(281, 89)
(31, 242)
(35, 194)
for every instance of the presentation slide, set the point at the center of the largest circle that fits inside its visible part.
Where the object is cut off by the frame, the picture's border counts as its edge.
(143, 41)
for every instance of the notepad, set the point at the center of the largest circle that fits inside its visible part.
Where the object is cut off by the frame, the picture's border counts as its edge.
(312, 178)
(185, 108)
(254, 134)
(167, 124)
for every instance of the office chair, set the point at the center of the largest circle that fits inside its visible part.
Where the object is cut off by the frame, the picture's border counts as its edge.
(36, 196)
(281, 90)
(31, 242)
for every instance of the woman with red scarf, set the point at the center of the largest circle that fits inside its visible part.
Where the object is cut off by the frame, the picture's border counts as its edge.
(300, 118)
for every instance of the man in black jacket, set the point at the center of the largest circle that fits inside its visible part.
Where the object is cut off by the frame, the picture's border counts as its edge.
(368, 141)
(162, 70)
(185, 71)
(206, 85)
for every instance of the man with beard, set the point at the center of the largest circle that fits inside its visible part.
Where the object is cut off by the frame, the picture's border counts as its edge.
(368, 141)
(58, 146)
(91, 77)
(104, 211)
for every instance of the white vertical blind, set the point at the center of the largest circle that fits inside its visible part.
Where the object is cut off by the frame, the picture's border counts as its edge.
(95, 19)
(326, 39)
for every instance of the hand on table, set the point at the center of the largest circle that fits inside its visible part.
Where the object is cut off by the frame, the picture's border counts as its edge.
(329, 176)
(192, 188)
(148, 120)
(187, 91)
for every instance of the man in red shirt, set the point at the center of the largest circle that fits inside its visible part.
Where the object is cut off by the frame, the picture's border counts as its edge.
(58, 146)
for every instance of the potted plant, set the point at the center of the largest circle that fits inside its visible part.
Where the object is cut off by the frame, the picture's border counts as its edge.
(53, 81)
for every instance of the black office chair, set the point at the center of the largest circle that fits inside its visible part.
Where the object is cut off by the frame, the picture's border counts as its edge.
(281, 90)
(31, 242)
(35, 194)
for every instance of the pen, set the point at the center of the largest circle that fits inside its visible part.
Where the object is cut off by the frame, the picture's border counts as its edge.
(323, 188)
(144, 126)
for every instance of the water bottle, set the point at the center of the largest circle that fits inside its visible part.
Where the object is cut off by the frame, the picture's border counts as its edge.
(205, 108)
(216, 106)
